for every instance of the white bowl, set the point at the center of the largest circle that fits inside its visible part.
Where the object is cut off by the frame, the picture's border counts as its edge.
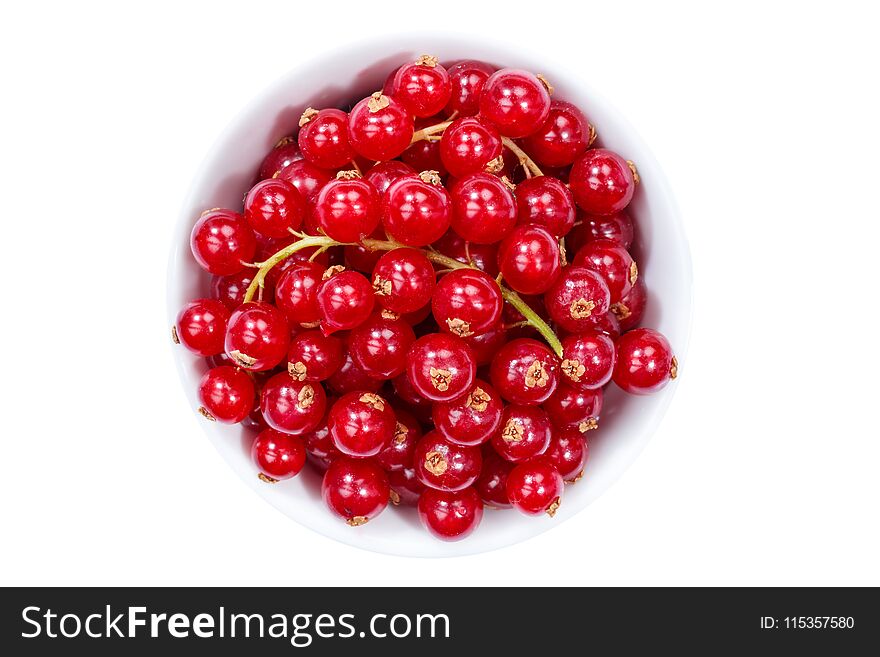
(354, 72)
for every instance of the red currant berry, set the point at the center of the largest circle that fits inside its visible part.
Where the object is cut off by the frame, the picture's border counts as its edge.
(525, 433)
(424, 155)
(416, 211)
(308, 179)
(482, 256)
(630, 309)
(612, 262)
(313, 356)
(406, 489)
(285, 152)
(441, 367)
(227, 394)
(274, 207)
(296, 293)
(601, 182)
(444, 465)
(230, 290)
(577, 298)
(563, 136)
(383, 174)
(467, 79)
(572, 408)
(517, 102)
(606, 323)
(292, 406)
(349, 377)
(492, 482)
(257, 336)
(277, 455)
(379, 127)
(201, 326)
(380, 344)
(568, 452)
(617, 227)
(222, 242)
(345, 299)
(323, 138)
(356, 490)
(587, 359)
(361, 423)
(398, 453)
(483, 208)
(319, 444)
(423, 87)
(406, 392)
(403, 280)
(525, 371)
(450, 516)
(529, 259)
(547, 202)
(468, 145)
(466, 302)
(347, 209)
(535, 487)
(645, 362)
(472, 419)
(487, 344)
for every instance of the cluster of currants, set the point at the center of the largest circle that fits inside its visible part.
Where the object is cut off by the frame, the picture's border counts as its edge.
(394, 303)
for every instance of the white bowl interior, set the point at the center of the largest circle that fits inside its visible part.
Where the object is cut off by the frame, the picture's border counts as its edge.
(627, 422)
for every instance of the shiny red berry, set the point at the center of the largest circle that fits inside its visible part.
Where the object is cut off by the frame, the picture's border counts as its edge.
(379, 345)
(345, 299)
(441, 367)
(227, 394)
(382, 174)
(201, 326)
(222, 242)
(416, 211)
(529, 259)
(568, 452)
(525, 433)
(292, 406)
(617, 227)
(525, 371)
(424, 155)
(471, 419)
(577, 298)
(313, 356)
(230, 290)
(285, 152)
(468, 145)
(349, 377)
(645, 362)
(535, 487)
(587, 359)
(274, 207)
(356, 490)
(601, 182)
(631, 308)
(319, 445)
(487, 344)
(397, 454)
(575, 408)
(482, 256)
(277, 455)
(379, 127)
(257, 336)
(467, 302)
(296, 293)
(406, 489)
(450, 516)
(403, 280)
(467, 79)
(361, 423)
(423, 87)
(306, 177)
(323, 138)
(444, 465)
(516, 101)
(547, 202)
(483, 208)
(563, 136)
(612, 262)
(492, 482)
(347, 209)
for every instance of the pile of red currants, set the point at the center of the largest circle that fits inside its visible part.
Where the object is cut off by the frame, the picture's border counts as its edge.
(394, 303)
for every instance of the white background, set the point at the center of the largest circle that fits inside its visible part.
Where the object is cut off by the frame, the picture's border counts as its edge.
(765, 119)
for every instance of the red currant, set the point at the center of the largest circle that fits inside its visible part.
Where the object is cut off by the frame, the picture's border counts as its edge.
(535, 487)
(349, 377)
(568, 452)
(345, 299)
(450, 516)
(257, 336)
(416, 211)
(525, 433)
(587, 359)
(285, 152)
(406, 488)
(323, 138)
(467, 302)
(227, 394)
(292, 406)
(467, 79)
(423, 87)
(306, 177)
(645, 362)
(318, 442)
(296, 293)
(201, 326)
(230, 290)
(577, 298)
(403, 280)
(601, 182)
(574, 408)
(441, 367)
(492, 482)
(468, 145)
(472, 419)
(529, 259)
(380, 344)
(361, 423)
(630, 309)
(612, 262)
(356, 490)
(483, 208)
(222, 242)
(487, 344)
(383, 174)
(563, 136)
(278, 455)
(617, 227)
(379, 127)
(444, 465)
(482, 256)
(398, 453)
(347, 209)
(424, 155)
(517, 102)
(313, 356)
(274, 207)
(525, 371)
(547, 202)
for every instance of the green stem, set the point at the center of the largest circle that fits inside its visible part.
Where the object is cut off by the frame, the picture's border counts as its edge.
(283, 254)
(533, 318)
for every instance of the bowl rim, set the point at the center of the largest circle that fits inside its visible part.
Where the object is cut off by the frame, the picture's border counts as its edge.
(414, 42)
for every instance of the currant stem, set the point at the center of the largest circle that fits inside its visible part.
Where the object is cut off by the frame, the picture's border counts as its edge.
(418, 135)
(533, 318)
(275, 258)
(524, 158)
